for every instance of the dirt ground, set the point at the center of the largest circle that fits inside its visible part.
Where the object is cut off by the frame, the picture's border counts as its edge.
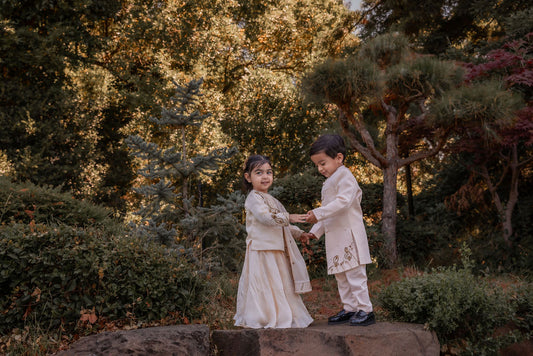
(324, 301)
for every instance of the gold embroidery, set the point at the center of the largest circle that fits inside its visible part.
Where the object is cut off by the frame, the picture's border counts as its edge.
(347, 254)
(271, 209)
(347, 258)
(336, 260)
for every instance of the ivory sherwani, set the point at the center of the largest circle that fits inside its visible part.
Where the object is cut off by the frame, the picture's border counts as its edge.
(340, 218)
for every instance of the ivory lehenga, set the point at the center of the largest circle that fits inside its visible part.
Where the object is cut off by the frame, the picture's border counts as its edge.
(274, 271)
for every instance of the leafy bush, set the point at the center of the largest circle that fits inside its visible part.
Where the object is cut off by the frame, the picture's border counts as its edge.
(463, 310)
(428, 236)
(28, 203)
(523, 305)
(50, 274)
(217, 233)
(372, 201)
(299, 192)
(314, 255)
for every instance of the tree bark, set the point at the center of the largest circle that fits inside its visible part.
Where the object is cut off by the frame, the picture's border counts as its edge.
(184, 188)
(388, 228)
(390, 179)
(505, 210)
(513, 196)
(409, 183)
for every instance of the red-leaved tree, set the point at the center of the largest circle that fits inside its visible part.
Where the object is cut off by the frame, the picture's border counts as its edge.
(500, 154)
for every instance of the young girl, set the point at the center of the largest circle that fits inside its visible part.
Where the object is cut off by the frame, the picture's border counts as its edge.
(274, 271)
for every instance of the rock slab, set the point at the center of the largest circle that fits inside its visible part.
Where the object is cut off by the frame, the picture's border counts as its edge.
(190, 340)
(381, 339)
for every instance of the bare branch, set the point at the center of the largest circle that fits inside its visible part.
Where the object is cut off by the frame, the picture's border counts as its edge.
(369, 154)
(425, 154)
(525, 162)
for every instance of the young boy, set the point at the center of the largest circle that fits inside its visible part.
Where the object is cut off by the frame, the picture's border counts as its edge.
(340, 218)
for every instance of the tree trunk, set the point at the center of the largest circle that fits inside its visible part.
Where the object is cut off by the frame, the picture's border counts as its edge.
(513, 197)
(505, 210)
(409, 183)
(184, 191)
(388, 227)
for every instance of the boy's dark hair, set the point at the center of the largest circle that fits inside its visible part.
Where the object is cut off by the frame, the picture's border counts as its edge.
(331, 145)
(251, 163)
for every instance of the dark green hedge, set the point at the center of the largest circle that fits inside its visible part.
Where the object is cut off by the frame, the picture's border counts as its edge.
(48, 274)
(28, 203)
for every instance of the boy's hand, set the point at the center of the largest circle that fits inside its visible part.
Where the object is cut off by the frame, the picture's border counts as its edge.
(306, 236)
(297, 218)
(310, 217)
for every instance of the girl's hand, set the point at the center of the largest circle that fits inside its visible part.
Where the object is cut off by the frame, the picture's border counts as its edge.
(310, 217)
(306, 236)
(297, 218)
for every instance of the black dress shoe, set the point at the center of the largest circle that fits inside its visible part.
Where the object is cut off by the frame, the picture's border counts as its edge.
(341, 317)
(362, 319)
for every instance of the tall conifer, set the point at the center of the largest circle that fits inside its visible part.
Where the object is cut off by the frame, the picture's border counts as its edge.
(170, 169)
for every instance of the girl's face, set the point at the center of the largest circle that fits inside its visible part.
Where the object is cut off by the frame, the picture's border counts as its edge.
(261, 177)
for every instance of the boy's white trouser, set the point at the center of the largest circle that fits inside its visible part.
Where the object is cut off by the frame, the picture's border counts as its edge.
(353, 289)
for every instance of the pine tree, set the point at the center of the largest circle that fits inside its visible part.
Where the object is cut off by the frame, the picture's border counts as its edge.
(217, 231)
(397, 107)
(170, 169)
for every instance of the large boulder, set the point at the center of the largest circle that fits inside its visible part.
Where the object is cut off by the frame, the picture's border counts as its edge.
(190, 340)
(381, 339)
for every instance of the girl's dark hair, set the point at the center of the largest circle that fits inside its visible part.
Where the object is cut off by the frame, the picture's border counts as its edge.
(251, 163)
(331, 145)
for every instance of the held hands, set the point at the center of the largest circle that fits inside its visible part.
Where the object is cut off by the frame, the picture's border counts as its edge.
(310, 217)
(297, 218)
(301, 218)
(306, 236)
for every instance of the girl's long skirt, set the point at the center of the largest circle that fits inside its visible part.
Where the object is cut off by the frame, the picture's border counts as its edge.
(266, 297)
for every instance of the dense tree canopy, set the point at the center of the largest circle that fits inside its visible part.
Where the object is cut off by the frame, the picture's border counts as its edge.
(80, 77)
(43, 134)
(438, 25)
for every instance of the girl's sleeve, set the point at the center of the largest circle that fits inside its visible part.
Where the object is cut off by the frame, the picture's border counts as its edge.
(263, 213)
(295, 231)
(347, 191)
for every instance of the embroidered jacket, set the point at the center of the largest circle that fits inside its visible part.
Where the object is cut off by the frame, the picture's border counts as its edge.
(340, 218)
(268, 228)
(265, 220)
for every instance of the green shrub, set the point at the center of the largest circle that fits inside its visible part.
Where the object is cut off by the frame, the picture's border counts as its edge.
(427, 237)
(50, 274)
(463, 310)
(28, 203)
(216, 234)
(299, 192)
(522, 300)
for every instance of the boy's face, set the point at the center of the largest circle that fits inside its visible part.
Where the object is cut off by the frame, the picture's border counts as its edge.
(325, 164)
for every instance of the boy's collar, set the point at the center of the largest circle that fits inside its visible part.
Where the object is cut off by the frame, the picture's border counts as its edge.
(339, 167)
